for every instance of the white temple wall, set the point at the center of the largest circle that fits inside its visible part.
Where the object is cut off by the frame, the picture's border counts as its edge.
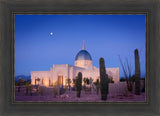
(113, 72)
(70, 71)
(61, 70)
(41, 75)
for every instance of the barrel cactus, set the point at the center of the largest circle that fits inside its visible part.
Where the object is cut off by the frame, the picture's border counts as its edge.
(137, 73)
(103, 80)
(79, 84)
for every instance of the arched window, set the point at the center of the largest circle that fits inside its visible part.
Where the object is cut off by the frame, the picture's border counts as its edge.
(60, 79)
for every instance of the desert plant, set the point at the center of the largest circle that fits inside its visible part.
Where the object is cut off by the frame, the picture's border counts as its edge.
(86, 80)
(74, 81)
(27, 87)
(68, 82)
(90, 82)
(122, 79)
(79, 84)
(143, 89)
(137, 73)
(125, 92)
(55, 89)
(103, 80)
(111, 79)
(41, 90)
(97, 84)
(30, 89)
(128, 77)
(20, 82)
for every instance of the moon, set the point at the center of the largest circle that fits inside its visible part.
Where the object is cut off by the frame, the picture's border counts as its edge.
(51, 33)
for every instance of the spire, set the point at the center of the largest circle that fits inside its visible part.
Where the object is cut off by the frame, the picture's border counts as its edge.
(83, 47)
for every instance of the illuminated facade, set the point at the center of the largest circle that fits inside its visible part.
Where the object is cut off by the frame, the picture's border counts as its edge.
(83, 64)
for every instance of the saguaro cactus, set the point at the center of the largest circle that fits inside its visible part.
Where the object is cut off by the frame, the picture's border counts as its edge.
(137, 73)
(79, 84)
(103, 79)
(98, 86)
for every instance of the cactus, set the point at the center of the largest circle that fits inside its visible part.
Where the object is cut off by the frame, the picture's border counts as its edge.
(103, 80)
(55, 89)
(79, 84)
(137, 73)
(143, 89)
(98, 86)
(128, 77)
(41, 90)
(27, 88)
(30, 89)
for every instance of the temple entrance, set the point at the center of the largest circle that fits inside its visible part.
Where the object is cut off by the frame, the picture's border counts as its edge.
(60, 84)
(60, 80)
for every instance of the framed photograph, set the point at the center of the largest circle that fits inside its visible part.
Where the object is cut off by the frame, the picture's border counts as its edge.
(41, 40)
(79, 57)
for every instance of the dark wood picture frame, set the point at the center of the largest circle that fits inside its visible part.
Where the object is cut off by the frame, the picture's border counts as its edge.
(9, 7)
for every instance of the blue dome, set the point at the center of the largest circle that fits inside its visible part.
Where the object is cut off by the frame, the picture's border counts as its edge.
(83, 55)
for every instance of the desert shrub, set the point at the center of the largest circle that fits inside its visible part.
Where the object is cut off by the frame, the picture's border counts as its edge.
(87, 90)
(74, 82)
(68, 82)
(41, 90)
(125, 91)
(86, 81)
(122, 79)
(111, 79)
(97, 84)
(55, 89)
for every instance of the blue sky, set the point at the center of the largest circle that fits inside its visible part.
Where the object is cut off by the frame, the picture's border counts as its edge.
(105, 36)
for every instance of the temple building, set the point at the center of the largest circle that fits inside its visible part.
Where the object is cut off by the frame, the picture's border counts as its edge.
(83, 64)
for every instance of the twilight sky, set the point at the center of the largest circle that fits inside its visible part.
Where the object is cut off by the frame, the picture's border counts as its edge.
(105, 36)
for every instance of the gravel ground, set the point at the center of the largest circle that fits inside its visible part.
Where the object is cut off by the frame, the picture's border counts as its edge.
(71, 97)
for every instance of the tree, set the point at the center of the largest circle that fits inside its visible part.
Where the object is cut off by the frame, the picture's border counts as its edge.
(86, 80)
(68, 82)
(97, 84)
(90, 82)
(20, 82)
